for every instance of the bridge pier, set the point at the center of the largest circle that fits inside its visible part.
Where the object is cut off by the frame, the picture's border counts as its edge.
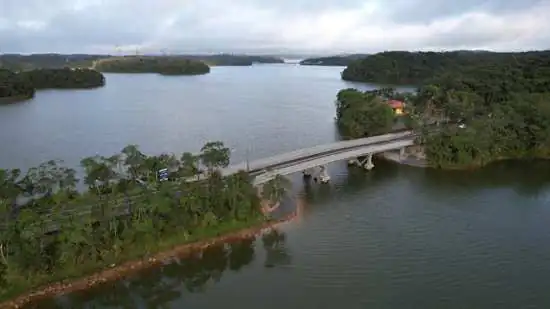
(307, 173)
(402, 153)
(367, 163)
(324, 177)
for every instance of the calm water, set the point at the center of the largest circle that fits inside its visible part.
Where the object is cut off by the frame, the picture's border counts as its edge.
(396, 237)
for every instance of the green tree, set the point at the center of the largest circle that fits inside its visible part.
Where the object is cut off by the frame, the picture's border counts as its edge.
(215, 155)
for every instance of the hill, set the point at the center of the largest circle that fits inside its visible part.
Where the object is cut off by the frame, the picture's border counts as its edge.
(400, 67)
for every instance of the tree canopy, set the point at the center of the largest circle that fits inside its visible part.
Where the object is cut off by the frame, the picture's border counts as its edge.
(63, 78)
(50, 231)
(13, 85)
(361, 114)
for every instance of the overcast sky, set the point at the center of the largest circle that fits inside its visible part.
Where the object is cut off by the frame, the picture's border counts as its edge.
(272, 26)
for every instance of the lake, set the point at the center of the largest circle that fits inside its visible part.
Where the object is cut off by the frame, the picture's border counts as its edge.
(394, 237)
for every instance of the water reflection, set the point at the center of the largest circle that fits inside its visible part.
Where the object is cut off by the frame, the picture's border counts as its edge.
(157, 288)
(526, 178)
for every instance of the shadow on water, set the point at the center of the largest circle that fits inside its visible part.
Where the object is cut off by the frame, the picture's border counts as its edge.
(157, 288)
(526, 178)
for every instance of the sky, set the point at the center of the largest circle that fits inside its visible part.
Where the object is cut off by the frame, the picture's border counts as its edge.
(315, 27)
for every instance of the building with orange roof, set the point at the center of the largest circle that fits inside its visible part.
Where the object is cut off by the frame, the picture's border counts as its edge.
(397, 106)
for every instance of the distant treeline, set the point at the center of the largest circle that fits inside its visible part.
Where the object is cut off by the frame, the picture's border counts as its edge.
(400, 67)
(17, 62)
(161, 65)
(22, 85)
(333, 60)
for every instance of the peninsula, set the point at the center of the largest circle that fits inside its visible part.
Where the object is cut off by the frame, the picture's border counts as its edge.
(491, 106)
(17, 86)
(136, 212)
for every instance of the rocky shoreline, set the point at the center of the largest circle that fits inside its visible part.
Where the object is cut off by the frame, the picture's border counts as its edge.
(118, 272)
(413, 156)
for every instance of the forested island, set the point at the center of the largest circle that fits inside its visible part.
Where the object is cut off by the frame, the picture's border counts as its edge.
(13, 87)
(343, 60)
(130, 211)
(160, 65)
(21, 86)
(496, 105)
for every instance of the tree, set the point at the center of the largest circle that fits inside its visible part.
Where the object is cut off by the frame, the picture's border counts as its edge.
(189, 165)
(215, 155)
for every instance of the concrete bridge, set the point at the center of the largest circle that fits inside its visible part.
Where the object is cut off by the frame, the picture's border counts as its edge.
(304, 160)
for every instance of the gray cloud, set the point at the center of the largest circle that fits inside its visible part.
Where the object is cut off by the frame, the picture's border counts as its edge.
(320, 26)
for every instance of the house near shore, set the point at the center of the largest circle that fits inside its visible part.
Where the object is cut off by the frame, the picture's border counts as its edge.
(397, 106)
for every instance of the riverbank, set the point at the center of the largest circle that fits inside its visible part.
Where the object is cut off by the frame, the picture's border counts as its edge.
(229, 233)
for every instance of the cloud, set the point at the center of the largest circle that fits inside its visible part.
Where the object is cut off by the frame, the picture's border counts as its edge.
(261, 26)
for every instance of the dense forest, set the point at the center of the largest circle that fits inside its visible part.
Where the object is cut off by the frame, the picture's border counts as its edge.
(22, 85)
(161, 65)
(132, 208)
(63, 78)
(13, 87)
(361, 114)
(333, 60)
(499, 103)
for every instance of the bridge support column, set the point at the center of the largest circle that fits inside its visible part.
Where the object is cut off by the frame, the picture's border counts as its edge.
(307, 173)
(324, 177)
(368, 164)
(402, 153)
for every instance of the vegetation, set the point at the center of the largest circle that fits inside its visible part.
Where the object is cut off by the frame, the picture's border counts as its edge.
(18, 62)
(129, 211)
(361, 114)
(497, 104)
(12, 86)
(417, 68)
(333, 60)
(63, 78)
(150, 64)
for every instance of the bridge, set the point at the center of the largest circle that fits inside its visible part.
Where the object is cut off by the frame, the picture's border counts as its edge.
(304, 160)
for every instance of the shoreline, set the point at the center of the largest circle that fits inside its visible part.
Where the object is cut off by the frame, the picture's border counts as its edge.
(123, 270)
(407, 159)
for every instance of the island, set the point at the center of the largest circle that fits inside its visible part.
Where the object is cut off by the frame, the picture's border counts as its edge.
(486, 106)
(151, 64)
(342, 60)
(19, 86)
(14, 88)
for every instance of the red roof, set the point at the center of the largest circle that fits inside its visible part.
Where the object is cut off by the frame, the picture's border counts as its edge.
(396, 104)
